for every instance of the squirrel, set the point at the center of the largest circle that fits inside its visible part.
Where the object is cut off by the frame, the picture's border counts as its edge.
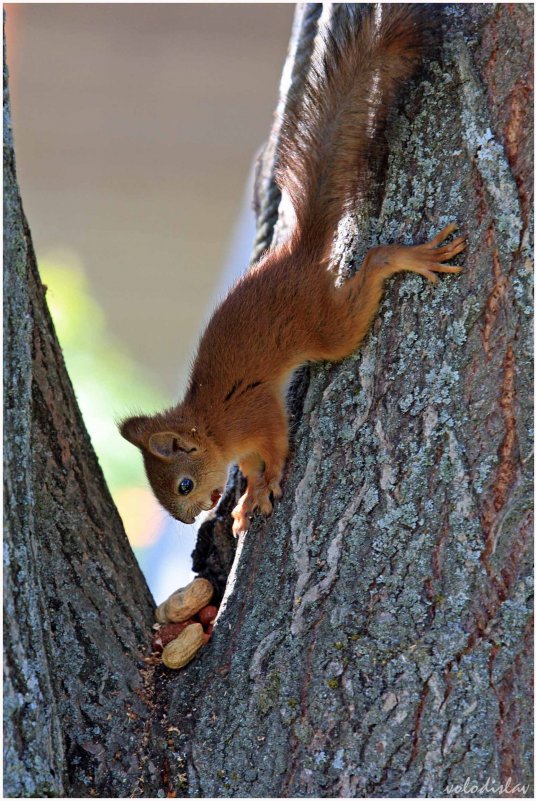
(286, 310)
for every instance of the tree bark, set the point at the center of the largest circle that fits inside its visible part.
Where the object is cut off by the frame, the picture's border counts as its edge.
(77, 612)
(376, 634)
(378, 638)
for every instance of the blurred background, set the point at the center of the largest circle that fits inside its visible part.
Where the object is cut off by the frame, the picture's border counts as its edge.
(136, 127)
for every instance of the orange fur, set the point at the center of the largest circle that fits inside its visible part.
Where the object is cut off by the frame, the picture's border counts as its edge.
(286, 310)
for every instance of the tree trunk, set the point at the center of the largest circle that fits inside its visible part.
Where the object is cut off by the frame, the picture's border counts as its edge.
(377, 641)
(376, 636)
(77, 611)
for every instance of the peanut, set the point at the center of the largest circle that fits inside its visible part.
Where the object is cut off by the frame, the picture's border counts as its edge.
(168, 632)
(182, 650)
(185, 602)
(207, 614)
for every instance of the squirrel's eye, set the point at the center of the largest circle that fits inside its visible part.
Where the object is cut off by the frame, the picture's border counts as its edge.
(186, 485)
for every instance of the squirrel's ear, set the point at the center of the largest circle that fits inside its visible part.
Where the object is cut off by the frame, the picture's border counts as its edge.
(135, 430)
(166, 444)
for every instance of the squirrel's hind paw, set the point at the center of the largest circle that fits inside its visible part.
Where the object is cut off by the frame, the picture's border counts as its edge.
(428, 259)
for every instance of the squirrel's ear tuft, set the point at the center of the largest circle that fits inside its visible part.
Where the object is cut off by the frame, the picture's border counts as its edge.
(135, 430)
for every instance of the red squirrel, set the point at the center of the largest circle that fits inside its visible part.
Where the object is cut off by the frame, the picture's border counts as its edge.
(286, 310)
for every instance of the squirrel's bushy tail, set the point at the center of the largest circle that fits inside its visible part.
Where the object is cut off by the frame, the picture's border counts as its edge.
(329, 141)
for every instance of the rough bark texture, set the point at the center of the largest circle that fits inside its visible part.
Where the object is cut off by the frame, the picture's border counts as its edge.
(378, 638)
(376, 641)
(77, 611)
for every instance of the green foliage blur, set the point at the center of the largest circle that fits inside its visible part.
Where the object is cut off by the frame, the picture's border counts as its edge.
(106, 380)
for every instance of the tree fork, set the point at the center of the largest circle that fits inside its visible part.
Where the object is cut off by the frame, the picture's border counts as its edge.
(377, 638)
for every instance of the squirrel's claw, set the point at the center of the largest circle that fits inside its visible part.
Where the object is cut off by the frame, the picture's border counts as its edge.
(257, 497)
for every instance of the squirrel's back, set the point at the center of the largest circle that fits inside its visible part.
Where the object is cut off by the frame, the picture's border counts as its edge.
(332, 138)
(275, 318)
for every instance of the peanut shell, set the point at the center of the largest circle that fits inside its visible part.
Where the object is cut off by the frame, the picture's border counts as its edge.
(184, 603)
(182, 650)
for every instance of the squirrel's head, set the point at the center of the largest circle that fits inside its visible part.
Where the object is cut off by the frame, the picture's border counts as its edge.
(185, 468)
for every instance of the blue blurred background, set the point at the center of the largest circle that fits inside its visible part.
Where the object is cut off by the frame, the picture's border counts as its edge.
(136, 126)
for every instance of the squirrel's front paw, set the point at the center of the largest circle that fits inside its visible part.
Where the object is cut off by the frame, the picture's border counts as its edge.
(275, 488)
(242, 514)
(258, 496)
(254, 498)
(263, 500)
(241, 522)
